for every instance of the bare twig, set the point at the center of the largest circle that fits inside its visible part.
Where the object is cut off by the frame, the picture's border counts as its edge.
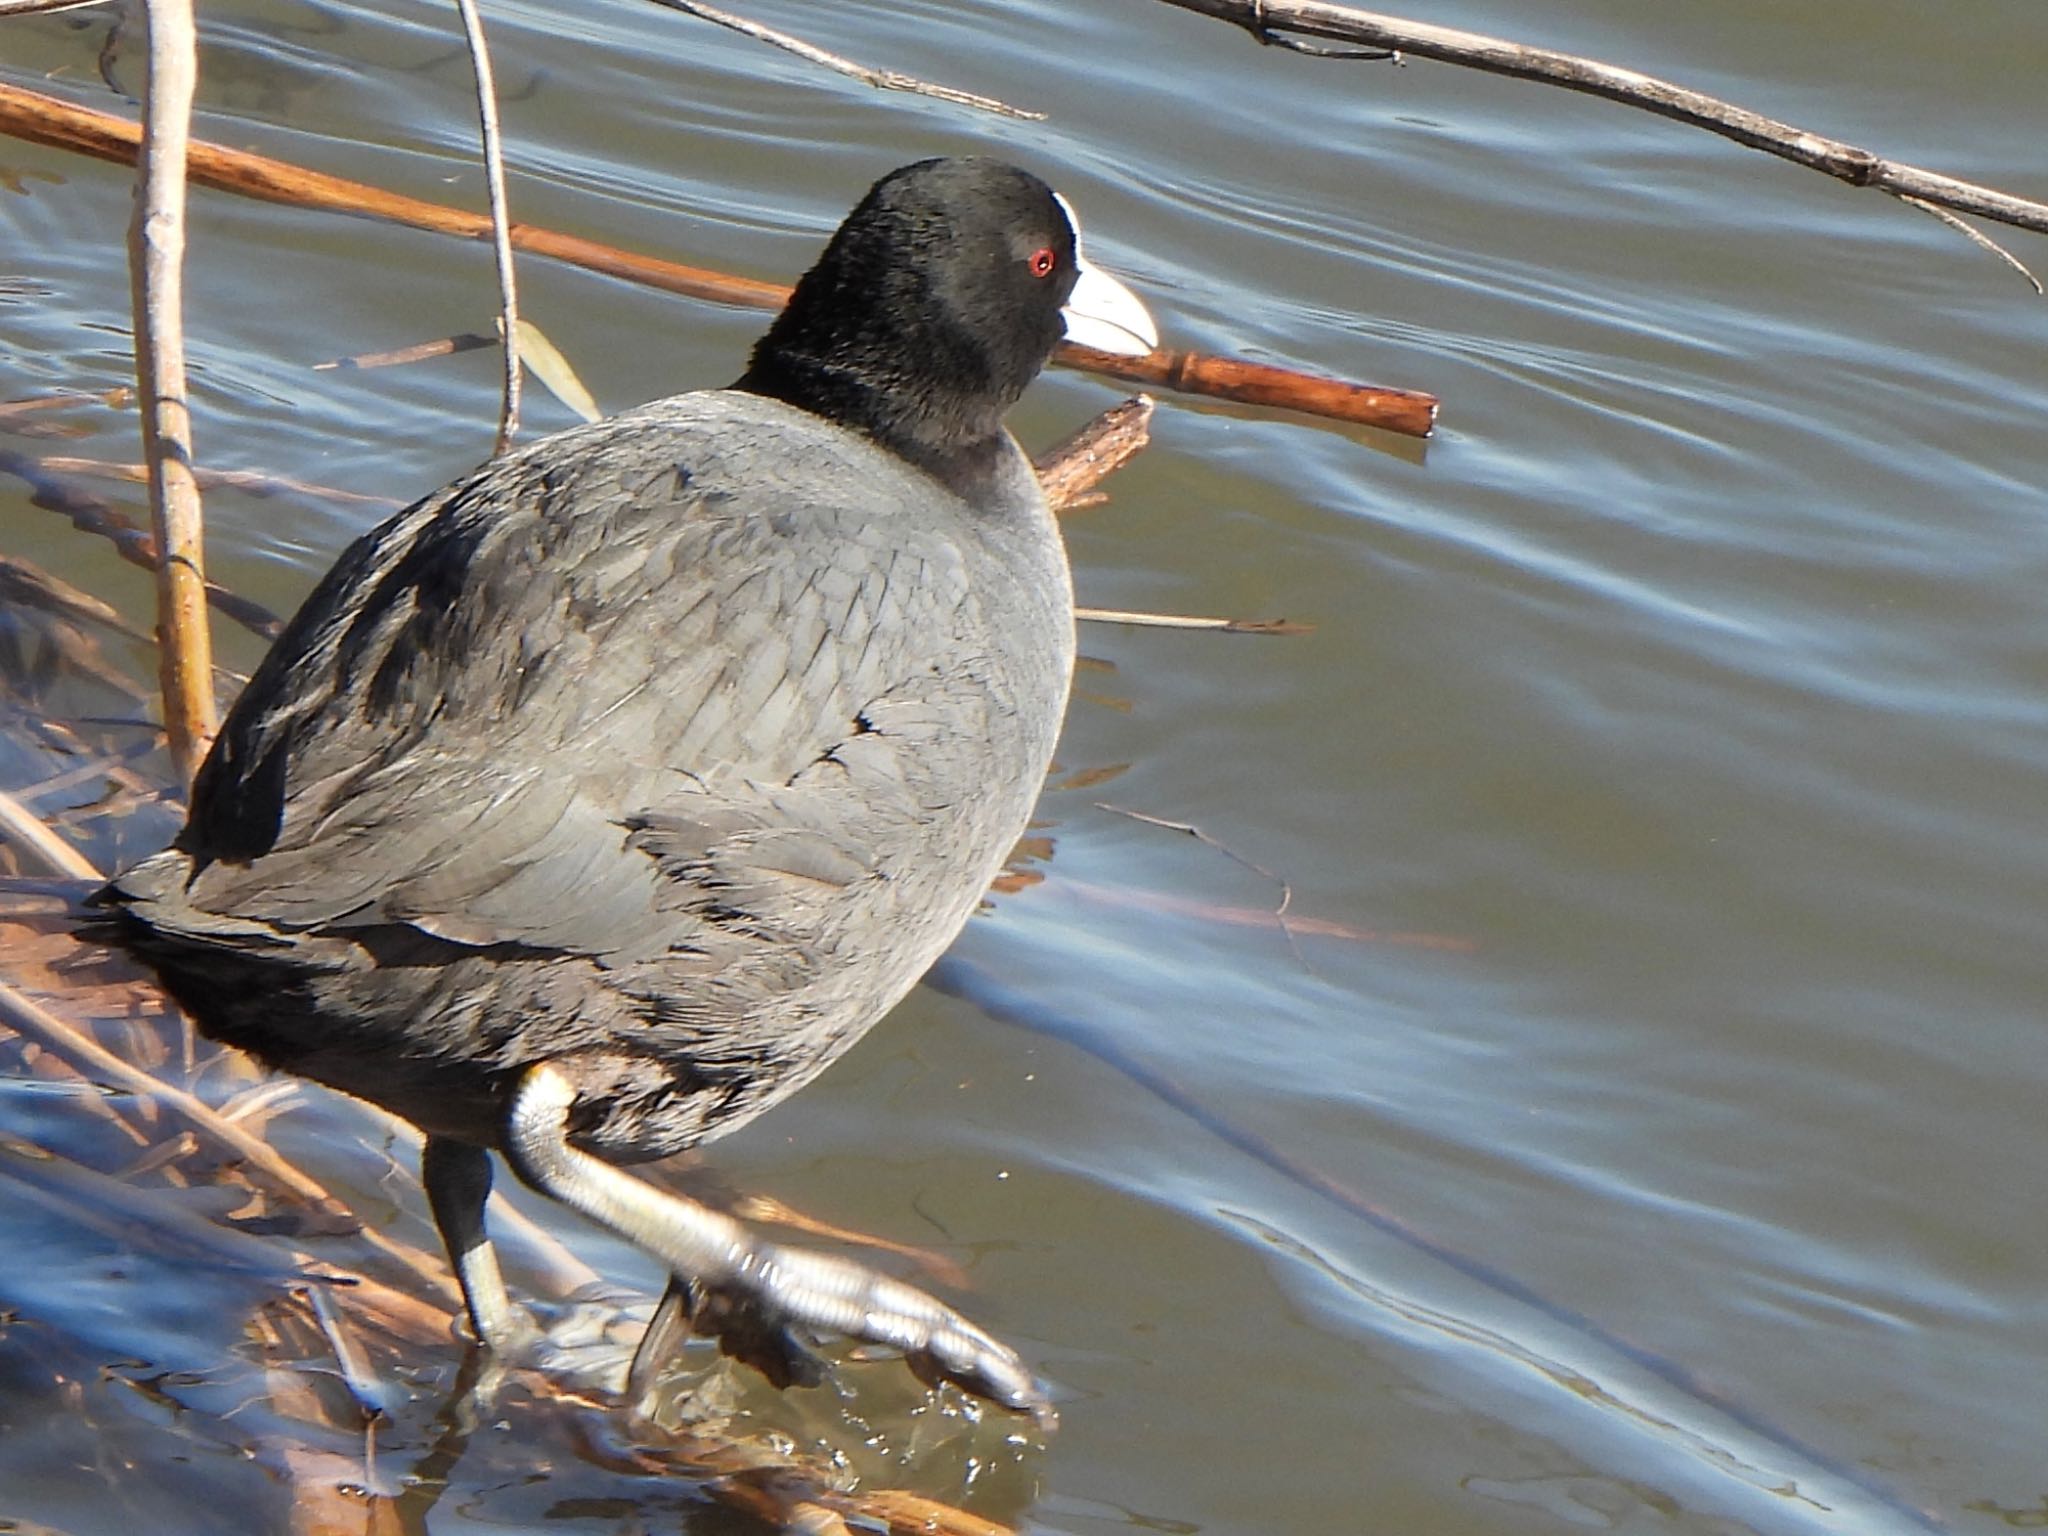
(46, 120)
(34, 7)
(881, 79)
(501, 235)
(1266, 19)
(156, 263)
(1975, 236)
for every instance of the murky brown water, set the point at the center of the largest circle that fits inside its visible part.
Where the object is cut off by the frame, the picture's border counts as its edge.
(1659, 792)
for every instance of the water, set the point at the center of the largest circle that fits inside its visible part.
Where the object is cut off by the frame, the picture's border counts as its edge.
(1663, 769)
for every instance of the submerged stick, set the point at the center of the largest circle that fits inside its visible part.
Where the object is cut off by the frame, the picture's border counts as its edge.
(46, 120)
(250, 482)
(156, 260)
(55, 493)
(27, 832)
(27, 1018)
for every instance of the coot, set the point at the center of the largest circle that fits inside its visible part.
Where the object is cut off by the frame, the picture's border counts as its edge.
(596, 802)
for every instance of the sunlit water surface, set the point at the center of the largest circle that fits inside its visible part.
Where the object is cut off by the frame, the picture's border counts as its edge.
(1641, 1126)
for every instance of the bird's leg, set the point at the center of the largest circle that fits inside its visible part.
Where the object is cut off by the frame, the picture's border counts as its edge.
(458, 1180)
(759, 1298)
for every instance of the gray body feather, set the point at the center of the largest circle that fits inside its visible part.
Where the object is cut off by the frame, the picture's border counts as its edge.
(681, 744)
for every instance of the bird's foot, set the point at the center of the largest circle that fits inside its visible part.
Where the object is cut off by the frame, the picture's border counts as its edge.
(769, 1312)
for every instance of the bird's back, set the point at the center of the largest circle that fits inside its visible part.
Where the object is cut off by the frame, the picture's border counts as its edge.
(686, 740)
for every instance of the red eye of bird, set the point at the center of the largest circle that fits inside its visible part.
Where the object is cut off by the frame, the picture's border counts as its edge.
(1042, 262)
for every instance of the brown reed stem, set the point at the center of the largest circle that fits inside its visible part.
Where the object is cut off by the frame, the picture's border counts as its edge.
(156, 267)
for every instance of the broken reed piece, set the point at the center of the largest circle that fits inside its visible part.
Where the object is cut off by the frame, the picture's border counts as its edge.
(1070, 469)
(60, 124)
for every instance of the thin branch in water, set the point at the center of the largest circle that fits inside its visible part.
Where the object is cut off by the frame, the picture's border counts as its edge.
(501, 224)
(1201, 910)
(1192, 621)
(1407, 411)
(881, 79)
(540, 356)
(1286, 891)
(250, 482)
(269, 1095)
(1977, 236)
(1845, 162)
(156, 255)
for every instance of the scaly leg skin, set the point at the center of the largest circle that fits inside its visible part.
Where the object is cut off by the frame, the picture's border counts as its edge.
(759, 1298)
(458, 1181)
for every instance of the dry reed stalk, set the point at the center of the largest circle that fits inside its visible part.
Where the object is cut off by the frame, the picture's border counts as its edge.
(46, 120)
(156, 258)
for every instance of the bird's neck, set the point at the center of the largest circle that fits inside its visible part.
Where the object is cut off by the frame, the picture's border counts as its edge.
(965, 449)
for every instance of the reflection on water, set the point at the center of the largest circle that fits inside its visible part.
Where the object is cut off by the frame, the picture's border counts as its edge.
(1653, 807)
